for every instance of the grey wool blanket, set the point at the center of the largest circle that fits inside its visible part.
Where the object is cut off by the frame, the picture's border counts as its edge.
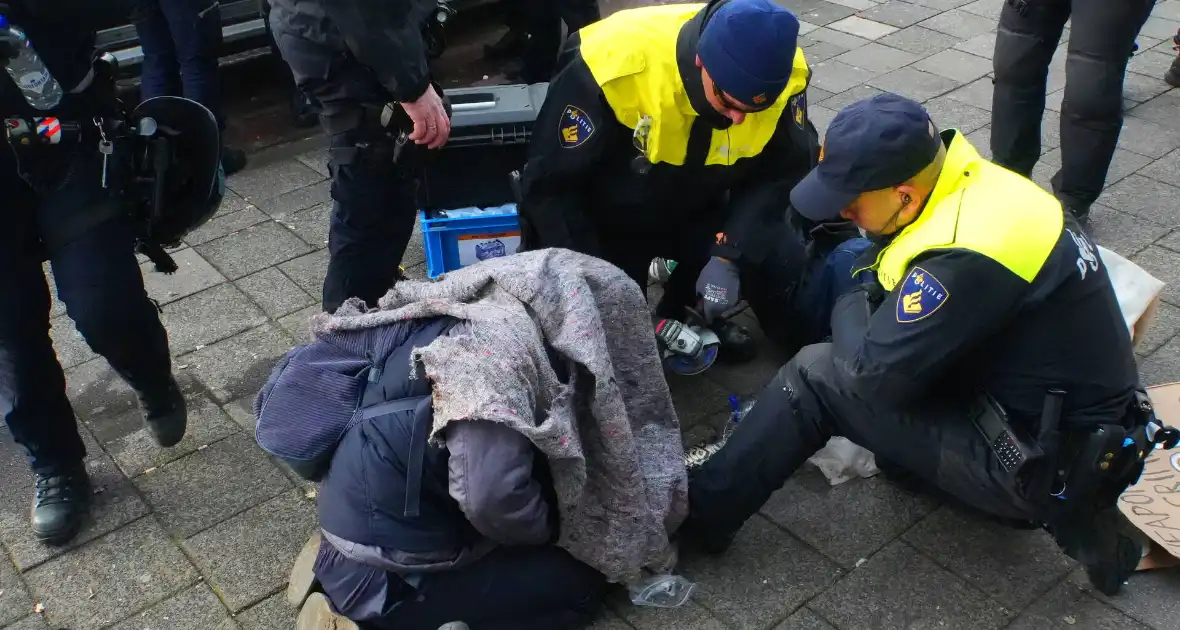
(611, 434)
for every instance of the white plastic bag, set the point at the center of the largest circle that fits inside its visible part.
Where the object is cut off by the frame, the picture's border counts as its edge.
(1138, 292)
(840, 460)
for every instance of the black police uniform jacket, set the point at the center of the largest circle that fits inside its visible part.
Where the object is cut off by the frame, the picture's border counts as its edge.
(992, 288)
(629, 87)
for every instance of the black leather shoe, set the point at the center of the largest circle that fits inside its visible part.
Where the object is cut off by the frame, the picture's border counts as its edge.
(165, 414)
(232, 160)
(1104, 547)
(60, 502)
(737, 346)
(693, 536)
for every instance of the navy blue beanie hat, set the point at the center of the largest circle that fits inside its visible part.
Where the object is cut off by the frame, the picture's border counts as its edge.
(748, 49)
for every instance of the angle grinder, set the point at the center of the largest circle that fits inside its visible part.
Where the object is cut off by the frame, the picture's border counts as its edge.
(689, 348)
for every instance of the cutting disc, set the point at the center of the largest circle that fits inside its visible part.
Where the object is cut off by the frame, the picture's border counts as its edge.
(689, 365)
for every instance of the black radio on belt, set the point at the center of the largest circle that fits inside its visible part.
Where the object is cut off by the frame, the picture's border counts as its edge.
(1013, 448)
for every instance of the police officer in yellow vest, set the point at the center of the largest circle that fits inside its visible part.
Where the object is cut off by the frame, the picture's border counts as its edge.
(991, 360)
(678, 131)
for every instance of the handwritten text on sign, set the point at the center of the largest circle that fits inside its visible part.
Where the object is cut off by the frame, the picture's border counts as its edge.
(1153, 504)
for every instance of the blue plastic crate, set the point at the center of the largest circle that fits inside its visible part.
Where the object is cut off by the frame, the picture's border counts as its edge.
(453, 243)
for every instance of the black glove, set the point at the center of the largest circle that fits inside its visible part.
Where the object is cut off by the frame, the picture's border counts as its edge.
(719, 285)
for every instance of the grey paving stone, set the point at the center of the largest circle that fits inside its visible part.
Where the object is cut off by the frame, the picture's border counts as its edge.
(837, 77)
(606, 621)
(197, 492)
(981, 139)
(253, 249)
(1171, 241)
(748, 379)
(984, 8)
(15, 601)
(977, 93)
(311, 224)
(272, 180)
(1148, 138)
(1161, 263)
(898, 14)
(1152, 63)
(418, 272)
(1159, 27)
(231, 203)
(821, 13)
(32, 622)
(1165, 326)
(877, 58)
(845, 40)
(1012, 566)
(804, 619)
(225, 224)
(208, 317)
(1169, 9)
(859, 5)
(195, 608)
(1067, 607)
(959, 23)
(900, 588)
(1161, 366)
(1126, 234)
(690, 616)
(242, 412)
(955, 65)
(1160, 109)
(821, 117)
(249, 556)
(850, 521)
(698, 400)
(1138, 88)
(308, 271)
(68, 343)
(1122, 164)
(860, 27)
(298, 324)
(57, 308)
(816, 51)
(194, 274)
(316, 160)
(238, 366)
(915, 84)
(1145, 198)
(1165, 169)
(138, 452)
(272, 613)
(95, 389)
(108, 578)
(277, 294)
(114, 504)
(817, 95)
(300, 199)
(947, 112)
(1148, 597)
(919, 40)
(982, 45)
(942, 5)
(848, 97)
(761, 579)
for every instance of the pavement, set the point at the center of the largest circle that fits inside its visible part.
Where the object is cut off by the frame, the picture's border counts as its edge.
(201, 536)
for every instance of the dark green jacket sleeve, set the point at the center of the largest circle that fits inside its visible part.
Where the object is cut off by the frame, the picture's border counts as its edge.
(572, 134)
(946, 304)
(763, 196)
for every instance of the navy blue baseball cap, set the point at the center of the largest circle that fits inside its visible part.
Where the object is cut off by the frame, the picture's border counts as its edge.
(872, 144)
(748, 49)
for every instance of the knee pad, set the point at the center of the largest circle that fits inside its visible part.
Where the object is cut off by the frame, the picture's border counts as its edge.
(1021, 59)
(1093, 89)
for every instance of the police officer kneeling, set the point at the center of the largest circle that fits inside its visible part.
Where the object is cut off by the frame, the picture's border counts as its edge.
(676, 131)
(81, 192)
(994, 322)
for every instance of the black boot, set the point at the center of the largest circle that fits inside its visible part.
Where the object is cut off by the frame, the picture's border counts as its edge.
(232, 160)
(737, 346)
(302, 111)
(1104, 547)
(60, 502)
(1172, 76)
(165, 413)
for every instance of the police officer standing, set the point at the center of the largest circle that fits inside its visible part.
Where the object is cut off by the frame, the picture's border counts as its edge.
(351, 58)
(677, 131)
(993, 323)
(1101, 40)
(57, 208)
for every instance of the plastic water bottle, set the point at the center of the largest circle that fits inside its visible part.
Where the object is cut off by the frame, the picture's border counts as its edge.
(38, 86)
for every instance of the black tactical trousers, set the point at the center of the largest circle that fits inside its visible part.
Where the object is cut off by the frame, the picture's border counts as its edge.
(803, 407)
(99, 280)
(1102, 35)
(374, 200)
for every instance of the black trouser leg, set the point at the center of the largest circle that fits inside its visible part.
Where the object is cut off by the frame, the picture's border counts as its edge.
(372, 221)
(802, 408)
(1100, 42)
(1024, 48)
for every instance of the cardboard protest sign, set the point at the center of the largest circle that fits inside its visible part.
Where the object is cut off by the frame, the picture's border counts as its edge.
(1153, 504)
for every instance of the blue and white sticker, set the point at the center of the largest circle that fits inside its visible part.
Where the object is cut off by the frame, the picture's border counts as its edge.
(920, 296)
